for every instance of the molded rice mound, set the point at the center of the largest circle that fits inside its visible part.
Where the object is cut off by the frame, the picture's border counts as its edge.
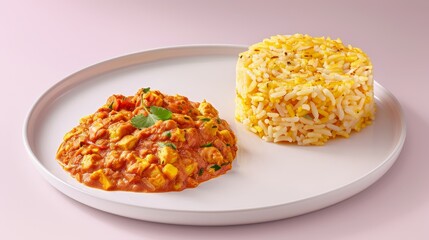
(303, 89)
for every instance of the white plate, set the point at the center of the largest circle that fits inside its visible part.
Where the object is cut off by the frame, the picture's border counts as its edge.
(268, 181)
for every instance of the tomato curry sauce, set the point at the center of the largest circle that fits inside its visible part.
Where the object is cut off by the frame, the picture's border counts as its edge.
(149, 142)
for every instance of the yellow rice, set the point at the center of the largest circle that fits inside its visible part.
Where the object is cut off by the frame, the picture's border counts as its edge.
(303, 89)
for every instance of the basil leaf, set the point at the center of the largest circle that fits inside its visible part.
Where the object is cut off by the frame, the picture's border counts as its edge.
(145, 90)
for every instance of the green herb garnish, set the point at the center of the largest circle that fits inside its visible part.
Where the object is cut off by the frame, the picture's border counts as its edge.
(146, 90)
(215, 167)
(161, 113)
(207, 145)
(167, 134)
(111, 106)
(167, 144)
(154, 114)
(200, 171)
(205, 119)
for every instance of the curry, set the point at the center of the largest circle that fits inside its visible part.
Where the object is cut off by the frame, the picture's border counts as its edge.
(149, 142)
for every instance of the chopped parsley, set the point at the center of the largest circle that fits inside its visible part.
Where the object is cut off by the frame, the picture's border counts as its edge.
(200, 171)
(205, 119)
(216, 167)
(167, 144)
(167, 134)
(146, 90)
(207, 145)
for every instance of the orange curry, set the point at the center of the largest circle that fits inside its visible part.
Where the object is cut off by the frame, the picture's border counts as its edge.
(149, 142)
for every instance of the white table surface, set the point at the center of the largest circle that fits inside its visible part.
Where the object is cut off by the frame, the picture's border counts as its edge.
(41, 42)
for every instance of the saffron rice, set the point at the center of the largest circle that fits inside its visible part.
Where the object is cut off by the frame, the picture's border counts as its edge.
(303, 89)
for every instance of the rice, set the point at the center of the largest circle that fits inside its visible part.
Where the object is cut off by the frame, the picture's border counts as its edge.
(303, 89)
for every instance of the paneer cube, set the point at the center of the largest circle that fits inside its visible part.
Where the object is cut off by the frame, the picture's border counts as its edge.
(207, 109)
(153, 98)
(167, 154)
(182, 120)
(141, 164)
(189, 169)
(154, 171)
(95, 126)
(212, 155)
(158, 181)
(170, 171)
(178, 135)
(128, 142)
(87, 161)
(210, 128)
(156, 177)
(118, 130)
(102, 178)
(226, 135)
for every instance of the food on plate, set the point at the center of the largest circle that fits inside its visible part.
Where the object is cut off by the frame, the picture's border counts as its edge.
(303, 89)
(149, 142)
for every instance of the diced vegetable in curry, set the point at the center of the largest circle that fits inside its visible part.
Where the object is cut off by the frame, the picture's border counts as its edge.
(149, 142)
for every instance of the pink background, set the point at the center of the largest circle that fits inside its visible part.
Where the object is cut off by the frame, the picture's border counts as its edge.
(41, 42)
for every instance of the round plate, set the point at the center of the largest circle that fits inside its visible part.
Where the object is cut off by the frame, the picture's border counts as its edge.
(268, 181)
